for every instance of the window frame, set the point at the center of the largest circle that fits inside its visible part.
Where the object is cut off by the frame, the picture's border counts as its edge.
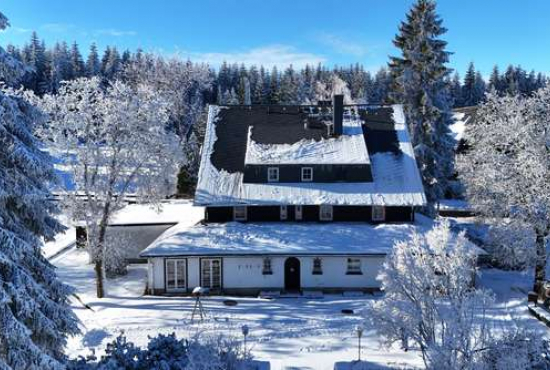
(323, 207)
(317, 267)
(237, 217)
(354, 266)
(298, 213)
(379, 217)
(304, 169)
(269, 169)
(182, 262)
(283, 213)
(267, 266)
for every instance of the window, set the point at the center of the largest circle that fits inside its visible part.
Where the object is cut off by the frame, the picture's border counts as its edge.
(298, 213)
(378, 213)
(175, 274)
(240, 213)
(354, 266)
(317, 266)
(284, 212)
(272, 174)
(211, 276)
(266, 270)
(325, 212)
(307, 174)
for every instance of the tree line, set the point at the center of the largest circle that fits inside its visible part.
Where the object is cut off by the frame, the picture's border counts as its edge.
(234, 83)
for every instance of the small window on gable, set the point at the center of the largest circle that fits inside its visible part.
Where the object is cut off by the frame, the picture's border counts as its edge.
(284, 212)
(378, 213)
(317, 266)
(307, 174)
(298, 213)
(240, 213)
(266, 270)
(325, 212)
(272, 174)
(354, 267)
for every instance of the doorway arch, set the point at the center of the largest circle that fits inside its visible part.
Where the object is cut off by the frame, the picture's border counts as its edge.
(292, 274)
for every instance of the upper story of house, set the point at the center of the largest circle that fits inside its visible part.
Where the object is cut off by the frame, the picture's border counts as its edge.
(324, 162)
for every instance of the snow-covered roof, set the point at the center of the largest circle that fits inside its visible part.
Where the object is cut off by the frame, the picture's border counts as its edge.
(282, 239)
(170, 212)
(396, 182)
(348, 148)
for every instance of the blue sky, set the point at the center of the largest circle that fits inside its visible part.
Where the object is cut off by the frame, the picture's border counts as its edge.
(282, 32)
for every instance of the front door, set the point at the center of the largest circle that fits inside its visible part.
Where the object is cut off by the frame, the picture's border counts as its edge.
(211, 276)
(292, 274)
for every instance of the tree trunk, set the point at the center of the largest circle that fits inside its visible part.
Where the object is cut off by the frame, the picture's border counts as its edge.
(100, 251)
(99, 277)
(540, 263)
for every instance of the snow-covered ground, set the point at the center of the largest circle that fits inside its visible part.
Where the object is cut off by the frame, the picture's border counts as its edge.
(297, 333)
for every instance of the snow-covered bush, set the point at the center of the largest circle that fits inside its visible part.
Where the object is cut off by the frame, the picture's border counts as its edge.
(517, 349)
(168, 352)
(430, 301)
(116, 252)
(510, 244)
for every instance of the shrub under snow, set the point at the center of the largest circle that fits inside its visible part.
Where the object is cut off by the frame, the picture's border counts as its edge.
(166, 352)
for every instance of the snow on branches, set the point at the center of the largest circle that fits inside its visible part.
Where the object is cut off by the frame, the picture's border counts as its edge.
(113, 141)
(507, 169)
(35, 318)
(430, 303)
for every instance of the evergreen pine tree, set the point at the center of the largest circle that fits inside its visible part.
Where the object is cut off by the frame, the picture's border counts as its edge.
(468, 88)
(93, 66)
(35, 315)
(77, 63)
(495, 82)
(456, 90)
(274, 88)
(419, 82)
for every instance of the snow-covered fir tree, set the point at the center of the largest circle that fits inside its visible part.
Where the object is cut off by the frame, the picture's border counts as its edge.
(92, 63)
(35, 317)
(115, 141)
(419, 82)
(506, 171)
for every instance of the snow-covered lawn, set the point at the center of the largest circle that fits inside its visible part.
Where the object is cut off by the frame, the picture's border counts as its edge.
(288, 332)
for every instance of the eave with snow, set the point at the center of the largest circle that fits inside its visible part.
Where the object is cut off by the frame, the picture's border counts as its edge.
(294, 197)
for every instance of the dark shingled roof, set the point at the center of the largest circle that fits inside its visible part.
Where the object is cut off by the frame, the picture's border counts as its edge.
(379, 131)
(287, 125)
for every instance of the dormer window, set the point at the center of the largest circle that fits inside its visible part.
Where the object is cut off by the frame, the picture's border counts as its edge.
(378, 213)
(272, 174)
(325, 212)
(240, 213)
(307, 174)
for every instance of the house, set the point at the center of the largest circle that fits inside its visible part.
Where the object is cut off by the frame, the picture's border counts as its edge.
(296, 198)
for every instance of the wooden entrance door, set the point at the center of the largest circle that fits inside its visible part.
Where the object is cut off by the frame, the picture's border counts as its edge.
(292, 274)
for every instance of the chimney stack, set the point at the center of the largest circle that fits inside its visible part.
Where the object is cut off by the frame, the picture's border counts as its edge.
(338, 114)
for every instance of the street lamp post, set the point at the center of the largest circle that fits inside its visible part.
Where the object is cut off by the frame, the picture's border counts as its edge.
(359, 332)
(245, 330)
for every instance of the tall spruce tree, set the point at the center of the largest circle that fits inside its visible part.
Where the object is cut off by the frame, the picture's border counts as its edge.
(35, 318)
(93, 66)
(419, 83)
